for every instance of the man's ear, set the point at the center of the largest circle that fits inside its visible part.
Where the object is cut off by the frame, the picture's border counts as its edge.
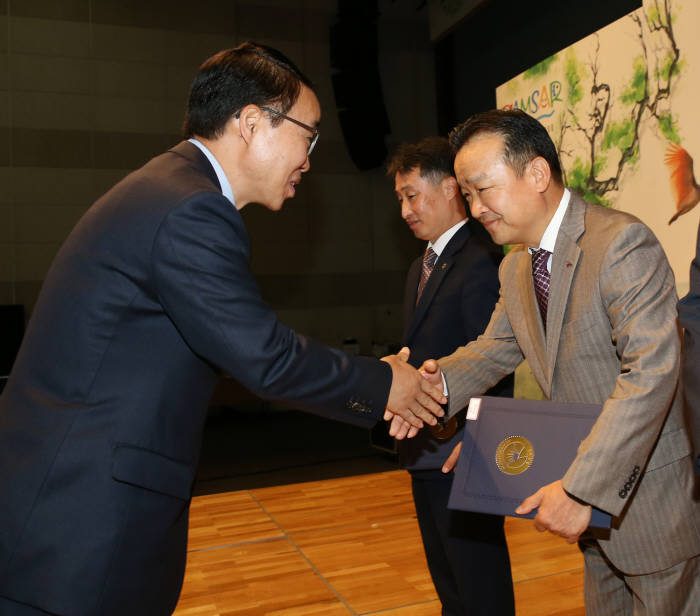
(540, 174)
(449, 186)
(249, 119)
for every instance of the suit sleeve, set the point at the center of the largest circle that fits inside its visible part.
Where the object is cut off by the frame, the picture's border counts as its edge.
(479, 298)
(200, 265)
(473, 369)
(638, 291)
(689, 314)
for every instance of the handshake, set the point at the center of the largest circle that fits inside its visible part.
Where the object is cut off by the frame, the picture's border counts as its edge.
(415, 396)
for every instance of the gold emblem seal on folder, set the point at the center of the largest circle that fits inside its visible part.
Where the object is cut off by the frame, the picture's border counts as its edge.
(514, 455)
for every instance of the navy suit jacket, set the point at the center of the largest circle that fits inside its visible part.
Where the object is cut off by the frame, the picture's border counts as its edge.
(689, 314)
(454, 308)
(147, 301)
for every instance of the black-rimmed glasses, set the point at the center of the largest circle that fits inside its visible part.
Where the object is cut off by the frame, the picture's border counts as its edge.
(314, 131)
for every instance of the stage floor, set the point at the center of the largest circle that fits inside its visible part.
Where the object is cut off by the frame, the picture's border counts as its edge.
(346, 546)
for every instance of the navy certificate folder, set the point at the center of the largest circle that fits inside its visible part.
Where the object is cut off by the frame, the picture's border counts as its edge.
(512, 448)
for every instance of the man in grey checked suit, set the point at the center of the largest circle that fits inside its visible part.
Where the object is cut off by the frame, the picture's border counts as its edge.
(609, 336)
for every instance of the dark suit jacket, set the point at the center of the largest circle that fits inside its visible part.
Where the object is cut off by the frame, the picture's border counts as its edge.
(101, 420)
(454, 309)
(689, 314)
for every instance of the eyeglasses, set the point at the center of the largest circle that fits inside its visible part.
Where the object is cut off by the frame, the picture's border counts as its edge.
(314, 131)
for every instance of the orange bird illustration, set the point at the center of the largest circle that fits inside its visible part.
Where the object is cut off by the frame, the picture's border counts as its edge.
(685, 189)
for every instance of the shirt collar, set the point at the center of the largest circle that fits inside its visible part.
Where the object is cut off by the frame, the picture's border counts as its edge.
(218, 169)
(549, 238)
(445, 238)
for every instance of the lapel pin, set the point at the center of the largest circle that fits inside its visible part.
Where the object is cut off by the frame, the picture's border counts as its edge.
(444, 265)
(568, 265)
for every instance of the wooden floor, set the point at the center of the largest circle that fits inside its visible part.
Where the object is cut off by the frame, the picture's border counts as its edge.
(342, 547)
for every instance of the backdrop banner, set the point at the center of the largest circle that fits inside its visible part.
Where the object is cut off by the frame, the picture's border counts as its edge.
(621, 107)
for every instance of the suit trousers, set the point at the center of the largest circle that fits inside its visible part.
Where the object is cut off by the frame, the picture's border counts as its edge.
(609, 592)
(466, 552)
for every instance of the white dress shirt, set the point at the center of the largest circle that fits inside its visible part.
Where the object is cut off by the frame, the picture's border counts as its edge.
(549, 237)
(445, 238)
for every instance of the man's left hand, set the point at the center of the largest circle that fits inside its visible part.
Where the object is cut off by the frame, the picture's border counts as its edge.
(558, 512)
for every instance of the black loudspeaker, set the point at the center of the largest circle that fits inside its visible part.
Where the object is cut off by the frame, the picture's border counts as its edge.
(356, 82)
(11, 332)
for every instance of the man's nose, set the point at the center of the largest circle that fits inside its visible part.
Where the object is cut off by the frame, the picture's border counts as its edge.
(476, 207)
(307, 164)
(405, 209)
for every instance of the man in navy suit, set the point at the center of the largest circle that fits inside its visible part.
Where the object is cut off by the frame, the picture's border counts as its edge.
(689, 314)
(450, 293)
(147, 300)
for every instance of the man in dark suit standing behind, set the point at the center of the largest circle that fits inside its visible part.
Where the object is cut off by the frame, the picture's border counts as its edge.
(151, 295)
(689, 315)
(450, 294)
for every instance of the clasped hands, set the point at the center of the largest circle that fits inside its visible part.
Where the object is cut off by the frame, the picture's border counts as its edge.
(415, 397)
(407, 426)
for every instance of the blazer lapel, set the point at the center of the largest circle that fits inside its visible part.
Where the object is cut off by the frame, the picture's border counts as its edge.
(564, 262)
(442, 267)
(531, 314)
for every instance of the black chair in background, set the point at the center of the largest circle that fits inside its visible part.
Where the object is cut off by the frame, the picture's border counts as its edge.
(11, 332)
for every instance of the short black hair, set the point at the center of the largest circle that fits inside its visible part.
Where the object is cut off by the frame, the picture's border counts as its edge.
(432, 156)
(524, 138)
(233, 78)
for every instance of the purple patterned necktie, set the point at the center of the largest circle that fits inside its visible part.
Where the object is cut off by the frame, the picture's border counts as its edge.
(429, 259)
(540, 277)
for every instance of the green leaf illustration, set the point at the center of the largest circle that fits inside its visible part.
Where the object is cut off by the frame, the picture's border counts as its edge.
(636, 89)
(573, 78)
(540, 68)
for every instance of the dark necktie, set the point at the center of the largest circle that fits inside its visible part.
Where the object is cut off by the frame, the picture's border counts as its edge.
(540, 277)
(429, 259)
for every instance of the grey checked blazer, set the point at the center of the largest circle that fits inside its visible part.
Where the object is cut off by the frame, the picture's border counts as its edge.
(612, 338)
